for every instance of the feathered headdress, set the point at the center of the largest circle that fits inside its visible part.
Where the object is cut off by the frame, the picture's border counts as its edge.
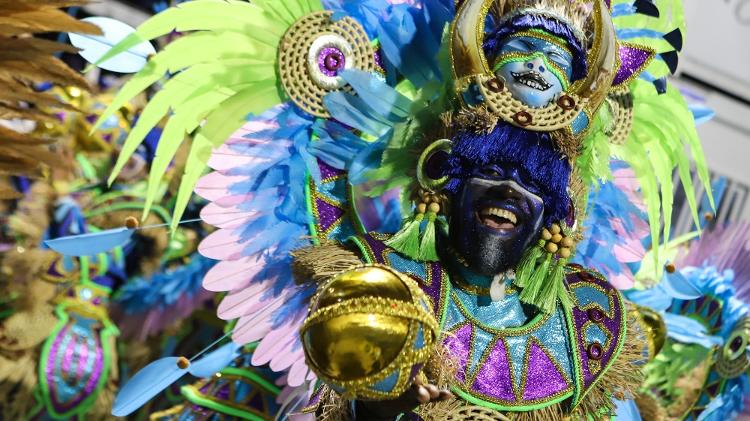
(25, 63)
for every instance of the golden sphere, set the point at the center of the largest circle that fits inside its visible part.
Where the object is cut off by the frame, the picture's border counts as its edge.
(551, 248)
(546, 235)
(366, 324)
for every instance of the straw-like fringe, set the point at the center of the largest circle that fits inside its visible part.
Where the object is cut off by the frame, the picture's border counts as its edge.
(319, 263)
(332, 407)
(650, 408)
(623, 378)
(479, 120)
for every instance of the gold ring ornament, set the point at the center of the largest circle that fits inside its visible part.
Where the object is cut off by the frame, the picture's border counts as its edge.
(732, 359)
(572, 110)
(369, 332)
(312, 53)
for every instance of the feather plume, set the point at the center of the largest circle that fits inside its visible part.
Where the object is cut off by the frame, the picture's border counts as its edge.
(26, 62)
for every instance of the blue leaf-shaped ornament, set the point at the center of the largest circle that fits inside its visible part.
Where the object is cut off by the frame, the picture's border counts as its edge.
(146, 384)
(91, 243)
(215, 361)
(94, 47)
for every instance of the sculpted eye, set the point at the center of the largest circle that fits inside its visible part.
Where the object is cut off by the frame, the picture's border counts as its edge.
(558, 58)
(518, 45)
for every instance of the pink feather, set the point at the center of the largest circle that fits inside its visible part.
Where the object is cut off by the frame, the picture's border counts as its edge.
(226, 217)
(250, 332)
(222, 245)
(297, 373)
(286, 357)
(246, 301)
(230, 275)
(213, 186)
(276, 341)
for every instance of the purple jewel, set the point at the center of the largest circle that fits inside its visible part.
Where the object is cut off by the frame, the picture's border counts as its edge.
(331, 60)
(379, 59)
(596, 315)
(96, 301)
(71, 293)
(595, 351)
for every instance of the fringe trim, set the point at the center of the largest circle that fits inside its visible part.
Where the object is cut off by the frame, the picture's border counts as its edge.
(319, 263)
(332, 407)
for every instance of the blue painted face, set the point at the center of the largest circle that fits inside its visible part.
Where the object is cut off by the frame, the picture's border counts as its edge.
(495, 216)
(535, 70)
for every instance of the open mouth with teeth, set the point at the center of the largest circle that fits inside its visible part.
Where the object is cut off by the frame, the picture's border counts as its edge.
(532, 79)
(498, 219)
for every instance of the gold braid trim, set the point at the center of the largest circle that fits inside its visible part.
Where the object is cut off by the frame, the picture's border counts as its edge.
(319, 263)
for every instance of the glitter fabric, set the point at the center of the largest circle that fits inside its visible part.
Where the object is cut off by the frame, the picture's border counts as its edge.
(598, 290)
(543, 377)
(458, 345)
(632, 60)
(331, 60)
(494, 377)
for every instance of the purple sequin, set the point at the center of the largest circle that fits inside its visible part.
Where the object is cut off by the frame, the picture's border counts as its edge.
(331, 60)
(631, 60)
(493, 378)
(612, 325)
(328, 214)
(458, 345)
(543, 378)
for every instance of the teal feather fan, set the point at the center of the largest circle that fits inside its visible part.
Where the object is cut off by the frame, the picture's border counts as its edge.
(223, 70)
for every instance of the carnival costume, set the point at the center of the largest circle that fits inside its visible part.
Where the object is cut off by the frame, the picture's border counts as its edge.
(493, 119)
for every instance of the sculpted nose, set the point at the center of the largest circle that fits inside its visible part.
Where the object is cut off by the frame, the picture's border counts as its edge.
(536, 64)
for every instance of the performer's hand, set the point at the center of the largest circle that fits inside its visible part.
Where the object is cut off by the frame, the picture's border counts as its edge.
(417, 394)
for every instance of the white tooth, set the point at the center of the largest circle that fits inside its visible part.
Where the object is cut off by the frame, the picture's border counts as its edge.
(502, 213)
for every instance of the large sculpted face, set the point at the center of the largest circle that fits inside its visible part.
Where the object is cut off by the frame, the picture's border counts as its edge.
(535, 68)
(497, 213)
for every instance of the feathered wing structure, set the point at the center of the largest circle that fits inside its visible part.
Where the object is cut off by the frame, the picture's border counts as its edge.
(615, 228)
(25, 63)
(702, 372)
(224, 70)
(647, 122)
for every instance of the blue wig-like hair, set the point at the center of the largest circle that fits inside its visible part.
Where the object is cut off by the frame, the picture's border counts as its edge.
(553, 26)
(532, 153)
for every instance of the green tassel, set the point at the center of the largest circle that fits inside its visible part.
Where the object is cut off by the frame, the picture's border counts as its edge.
(406, 240)
(427, 249)
(547, 286)
(527, 266)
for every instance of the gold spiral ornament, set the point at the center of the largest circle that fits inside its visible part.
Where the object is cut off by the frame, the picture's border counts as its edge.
(732, 359)
(369, 332)
(311, 53)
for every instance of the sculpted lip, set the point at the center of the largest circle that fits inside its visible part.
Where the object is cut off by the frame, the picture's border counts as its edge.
(532, 79)
(498, 218)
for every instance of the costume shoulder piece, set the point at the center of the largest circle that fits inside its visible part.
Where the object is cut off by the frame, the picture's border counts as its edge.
(596, 323)
(598, 320)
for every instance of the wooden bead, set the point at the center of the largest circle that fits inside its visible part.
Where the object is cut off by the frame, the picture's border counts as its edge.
(670, 267)
(131, 222)
(709, 216)
(568, 242)
(551, 247)
(434, 207)
(556, 238)
(183, 363)
(546, 235)
(565, 252)
(555, 229)
(422, 208)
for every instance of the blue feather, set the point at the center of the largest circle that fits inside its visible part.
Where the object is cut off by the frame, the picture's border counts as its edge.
(381, 98)
(91, 243)
(215, 361)
(146, 384)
